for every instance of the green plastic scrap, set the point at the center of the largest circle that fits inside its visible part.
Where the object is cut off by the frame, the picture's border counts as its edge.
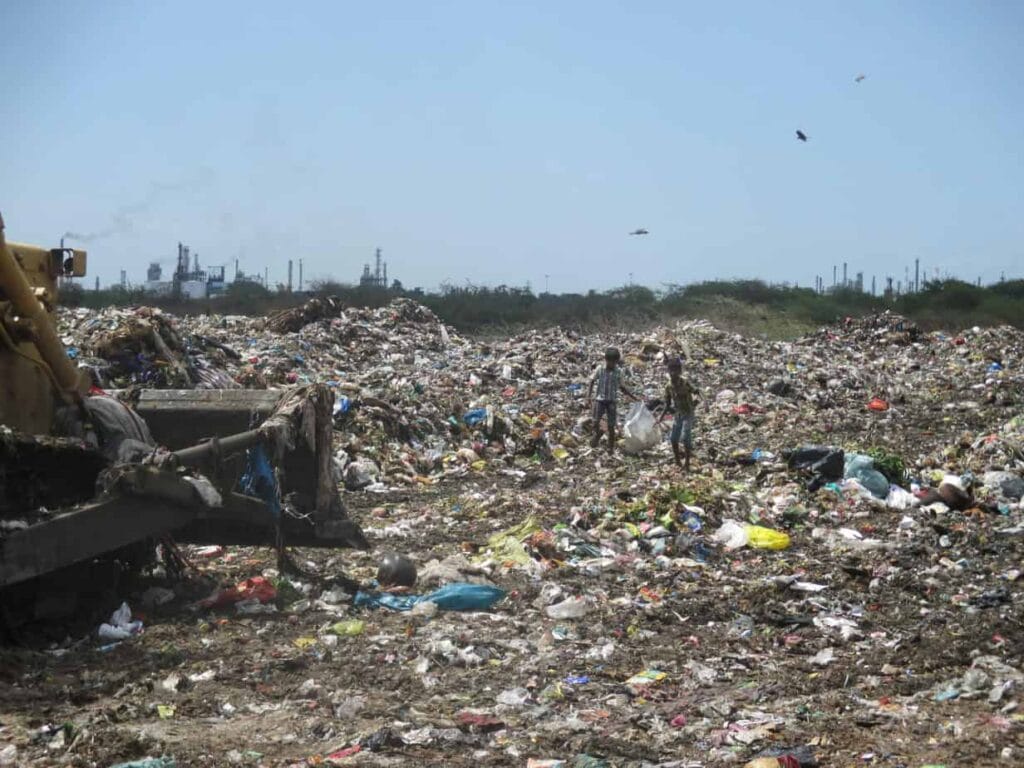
(348, 628)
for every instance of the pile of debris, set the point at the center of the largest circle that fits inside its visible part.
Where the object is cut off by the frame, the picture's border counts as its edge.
(838, 581)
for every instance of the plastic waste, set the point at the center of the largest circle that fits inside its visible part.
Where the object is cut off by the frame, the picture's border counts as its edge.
(474, 417)
(733, 535)
(862, 469)
(824, 657)
(1008, 484)
(824, 464)
(513, 697)
(646, 678)
(878, 404)
(120, 626)
(348, 628)
(760, 537)
(571, 608)
(641, 431)
(149, 762)
(257, 588)
(451, 597)
(900, 498)
(507, 546)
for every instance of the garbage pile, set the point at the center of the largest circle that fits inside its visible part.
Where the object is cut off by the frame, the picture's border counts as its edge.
(836, 582)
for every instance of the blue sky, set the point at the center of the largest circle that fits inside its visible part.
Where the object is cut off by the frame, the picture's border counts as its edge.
(500, 142)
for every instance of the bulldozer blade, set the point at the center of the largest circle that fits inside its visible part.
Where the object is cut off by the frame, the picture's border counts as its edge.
(84, 533)
(147, 503)
(180, 418)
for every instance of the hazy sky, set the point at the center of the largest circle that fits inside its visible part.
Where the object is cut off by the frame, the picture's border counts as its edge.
(502, 141)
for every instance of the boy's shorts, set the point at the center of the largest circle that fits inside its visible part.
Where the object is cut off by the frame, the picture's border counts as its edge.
(682, 427)
(601, 407)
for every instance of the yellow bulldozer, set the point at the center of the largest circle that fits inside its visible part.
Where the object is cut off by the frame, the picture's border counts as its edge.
(85, 479)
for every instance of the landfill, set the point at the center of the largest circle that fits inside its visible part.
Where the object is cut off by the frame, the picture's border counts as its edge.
(836, 582)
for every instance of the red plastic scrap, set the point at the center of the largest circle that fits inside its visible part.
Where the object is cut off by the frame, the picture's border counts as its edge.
(650, 595)
(257, 588)
(355, 749)
(481, 723)
(878, 404)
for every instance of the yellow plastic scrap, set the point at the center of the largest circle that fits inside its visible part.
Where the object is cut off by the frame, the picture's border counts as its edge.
(165, 711)
(479, 466)
(647, 677)
(634, 530)
(305, 642)
(765, 538)
(507, 546)
(560, 453)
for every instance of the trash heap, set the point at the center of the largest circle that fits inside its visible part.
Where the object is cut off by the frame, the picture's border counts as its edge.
(837, 581)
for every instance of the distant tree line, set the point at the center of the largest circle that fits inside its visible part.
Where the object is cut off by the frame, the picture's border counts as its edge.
(781, 309)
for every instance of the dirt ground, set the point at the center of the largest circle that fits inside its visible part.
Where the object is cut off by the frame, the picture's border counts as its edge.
(886, 633)
(727, 694)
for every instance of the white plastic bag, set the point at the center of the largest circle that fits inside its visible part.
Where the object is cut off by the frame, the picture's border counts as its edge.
(121, 626)
(731, 535)
(641, 431)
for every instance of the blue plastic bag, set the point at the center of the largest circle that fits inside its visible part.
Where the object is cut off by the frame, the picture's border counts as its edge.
(862, 469)
(451, 597)
(475, 416)
(259, 480)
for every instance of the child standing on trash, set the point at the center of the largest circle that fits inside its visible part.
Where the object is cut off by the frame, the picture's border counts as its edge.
(680, 393)
(608, 381)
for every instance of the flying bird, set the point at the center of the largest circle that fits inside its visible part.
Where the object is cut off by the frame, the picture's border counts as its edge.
(639, 232)
(801, 135)
(858, 78)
